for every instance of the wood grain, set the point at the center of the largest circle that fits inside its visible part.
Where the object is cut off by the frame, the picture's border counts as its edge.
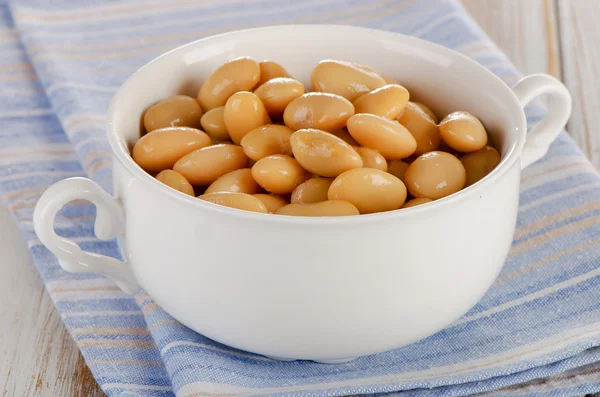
(526, 30)
(37, 355)
(579, 31)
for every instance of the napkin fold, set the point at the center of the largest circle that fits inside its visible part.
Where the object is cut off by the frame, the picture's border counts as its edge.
(535, 332)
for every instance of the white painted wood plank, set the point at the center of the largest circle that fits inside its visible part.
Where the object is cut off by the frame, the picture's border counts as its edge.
(526, 30)
(37, 355)
(580, 32)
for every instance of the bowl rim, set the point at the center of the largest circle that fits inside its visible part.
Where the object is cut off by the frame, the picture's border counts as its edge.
(506, 164)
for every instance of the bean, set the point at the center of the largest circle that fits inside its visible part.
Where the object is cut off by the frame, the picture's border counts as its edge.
(365, 68)
(272, 201)
(322, 153)
(213, 123)
(421, 127)
(416, 201)
(324, 208)
(333, 152)
(463, 131)
(311, 191)
(206, 165)
(279, 174)
(345, 79)
(435, 175)
(372, 158)
(480, 163)
(244, 112)
(277, 93)
(397, 168)
(387, 101)
(176, 181)
(175, 111)
(238, 181)
(345, 136)
(240, 74)
(445, 148)
(241, 201)
(388, 137)
(427, 110)
(267, 140)
(218, 142)
(271, 70)
(160, 149)
(370, 190)
(323, 111)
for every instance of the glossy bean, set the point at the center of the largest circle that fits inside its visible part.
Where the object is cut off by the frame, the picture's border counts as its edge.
(427, 110)
(241, 201)
(463, 131)
(480, 163)
(372, 158)
(244, 112)
(213, 123)
(344, 78)
(311, 191)
(322, 153)
(238, 181)
(279, 174)
(435, 175)
(345, 136)
(271, 70)
(267, 140)
(416, 201)
(277, 93)
(175, 111)
(422, 127)
(445, 148)
(272, 201)
(218, 142)
(388, 137)
(323, 111)
(370, 190)
(387, 101)
(160, 149)
(206, 165)
(366, 68)
(176, 181)
(240, 74)
(323, 208)
(397, 168)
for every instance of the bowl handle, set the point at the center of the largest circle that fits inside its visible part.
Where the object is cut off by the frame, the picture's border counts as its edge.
(109, 224)
(545, 132)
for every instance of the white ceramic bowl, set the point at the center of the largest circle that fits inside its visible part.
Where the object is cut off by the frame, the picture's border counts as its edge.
(325, 289)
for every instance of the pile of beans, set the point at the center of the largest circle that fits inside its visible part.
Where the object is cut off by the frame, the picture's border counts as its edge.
(255, 140)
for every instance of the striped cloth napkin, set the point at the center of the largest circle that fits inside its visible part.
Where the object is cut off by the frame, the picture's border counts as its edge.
(535, 332)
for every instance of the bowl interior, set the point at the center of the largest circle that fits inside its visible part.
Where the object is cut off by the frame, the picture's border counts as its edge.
(436, 76)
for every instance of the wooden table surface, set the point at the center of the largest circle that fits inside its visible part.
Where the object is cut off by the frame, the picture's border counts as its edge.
(39, 358)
